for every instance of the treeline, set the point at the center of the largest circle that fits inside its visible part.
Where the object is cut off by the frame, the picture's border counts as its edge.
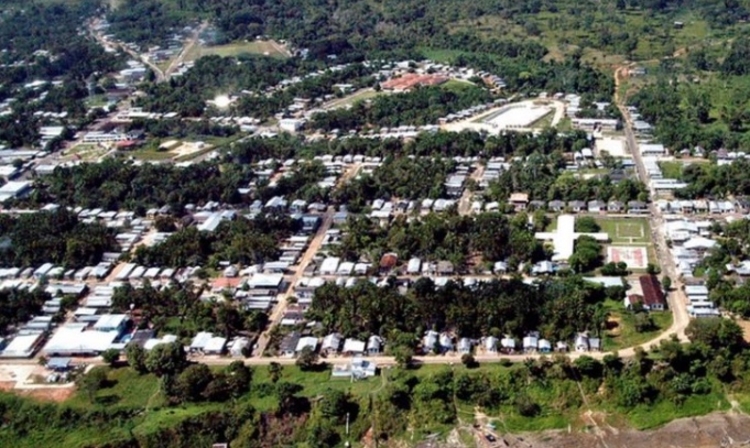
(18, 306)
(118, 185)
(709, 180)
(33, 239)
(438, 144)
(242, 240)
(544, 179)
(453, 238)
(419, 107)
(398, 177)
(146, 22)
(558, 308)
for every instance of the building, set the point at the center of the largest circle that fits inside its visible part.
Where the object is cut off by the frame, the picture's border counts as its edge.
(653, 296)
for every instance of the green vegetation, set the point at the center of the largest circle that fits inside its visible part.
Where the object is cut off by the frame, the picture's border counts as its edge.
(238, 49)
(297, 406)
(672, 170)
(626, 230)
(630, 328)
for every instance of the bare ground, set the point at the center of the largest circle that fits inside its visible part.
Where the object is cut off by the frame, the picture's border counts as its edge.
(720, 429)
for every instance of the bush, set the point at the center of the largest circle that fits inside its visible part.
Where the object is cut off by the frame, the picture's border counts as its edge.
(526, 406)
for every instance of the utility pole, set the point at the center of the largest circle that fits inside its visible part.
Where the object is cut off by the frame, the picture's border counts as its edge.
(346, 444)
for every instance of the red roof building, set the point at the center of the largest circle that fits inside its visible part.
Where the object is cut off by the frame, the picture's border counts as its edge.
(653, 296)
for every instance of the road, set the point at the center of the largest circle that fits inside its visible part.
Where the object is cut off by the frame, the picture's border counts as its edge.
(464, 204)
(185, 51)
(676, 299)
(278, 311)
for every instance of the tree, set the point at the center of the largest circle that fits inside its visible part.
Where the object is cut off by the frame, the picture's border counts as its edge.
(92, 382)
(715, 333)
(274, 371)
(586, 224)
(136, 357)
(111, 356)
(666, 283)
(403, 356)
(469, 361)
(307, 359)
(334, 404)
(166, 359)
(191, 383)
(652, 269)
(239, 377)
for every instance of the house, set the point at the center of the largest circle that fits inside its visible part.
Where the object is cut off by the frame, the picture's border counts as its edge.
(653, 295)
(500, 267)
(530, 343)
(288, 345)
(544, 346)
(632, 300)
(595, 344)
(508, 344)
(556, 206)
(353, 347)
(597, 206)
(464, 346)
(519, 201)
(414, 266)
(490, 344)
(358, 368)
(331, 344)
(429, 341)
(577, 206)
(445, 268)
(306, 342)
(536, 205)
(637, 207)
(374, 345)
(388, 262)
(615, 207)
(561, 347)
(582, 343)
(446, 342)
(544, 267)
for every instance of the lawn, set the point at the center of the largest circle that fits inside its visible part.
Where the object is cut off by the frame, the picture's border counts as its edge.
(626, 230)
(672, 170)
(622, 331)
(544, 122)
(457, 85)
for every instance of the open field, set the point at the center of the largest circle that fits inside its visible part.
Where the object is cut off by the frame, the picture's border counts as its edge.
(268, 48)
(621, 327)
(626, 230)
(352, 99)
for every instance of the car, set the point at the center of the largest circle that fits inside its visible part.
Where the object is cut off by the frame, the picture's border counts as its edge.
(490, 437)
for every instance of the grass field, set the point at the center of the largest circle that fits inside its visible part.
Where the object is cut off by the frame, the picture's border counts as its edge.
(269, 48)
(352, 99)
(672, 170)
(623, 334)
(626, 230)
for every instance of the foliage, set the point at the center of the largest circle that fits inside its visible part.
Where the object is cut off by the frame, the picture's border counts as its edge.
(307, 359)
(166, 359)
(55, 237)
(117, 185)
(111, 356)
(557, 307)
(242, 240)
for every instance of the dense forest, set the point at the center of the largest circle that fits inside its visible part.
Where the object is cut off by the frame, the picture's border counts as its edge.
(33, 239)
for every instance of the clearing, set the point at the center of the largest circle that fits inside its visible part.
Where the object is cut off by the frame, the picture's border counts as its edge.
(624, 231)
(262, 47)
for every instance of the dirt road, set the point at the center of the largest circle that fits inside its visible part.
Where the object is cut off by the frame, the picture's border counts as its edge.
(278, 311)
(464, 204)
(677, 300)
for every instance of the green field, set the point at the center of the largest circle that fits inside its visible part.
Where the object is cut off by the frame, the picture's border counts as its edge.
(623, 334)
(672, 170)
(269, 48)
(626, 230)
